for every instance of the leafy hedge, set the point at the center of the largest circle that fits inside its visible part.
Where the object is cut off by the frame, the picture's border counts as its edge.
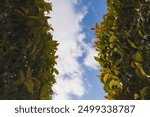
(27, 50)
(123, 48)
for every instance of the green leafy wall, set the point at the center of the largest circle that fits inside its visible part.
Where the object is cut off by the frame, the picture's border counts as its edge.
(27, 50)
(123, 48)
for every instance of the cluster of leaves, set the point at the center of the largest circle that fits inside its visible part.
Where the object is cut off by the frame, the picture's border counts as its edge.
(123, 48)
(27, 50)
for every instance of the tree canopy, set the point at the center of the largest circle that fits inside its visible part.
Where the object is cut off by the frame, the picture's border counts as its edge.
(123, 48)
(27, 50)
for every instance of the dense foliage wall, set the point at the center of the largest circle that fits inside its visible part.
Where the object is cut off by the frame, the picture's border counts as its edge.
(123, 48)
(27, 50)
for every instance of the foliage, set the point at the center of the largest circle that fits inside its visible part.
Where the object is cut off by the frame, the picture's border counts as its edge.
(27, 50)
(123, 48)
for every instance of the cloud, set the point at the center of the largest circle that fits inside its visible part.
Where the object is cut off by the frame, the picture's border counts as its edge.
(68, 31)
(89, 60)
(66, 88)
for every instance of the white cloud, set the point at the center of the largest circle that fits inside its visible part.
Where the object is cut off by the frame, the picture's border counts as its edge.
(89, 60)
(69, 33)
(67, 87)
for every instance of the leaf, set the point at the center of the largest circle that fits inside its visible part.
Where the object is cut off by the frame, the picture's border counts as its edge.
(113, 38)
(29, 84)
(138, 57)
(44, 91)
(33, 18)
(140, 33)
(136, 96)
(142, 71)
(22, 77)
(106, 77)
(93, 28)
(29, 73)
(132, 44)
(117, 72)
(118, 62)
(111, 32)
(34, 48)
(133, 64)
(115, 49)
(96, 58)
(111, 45)
(31, 23)
(29, 44)
(122, 52)
(37, 83)
(113, 83)
(97, 25)
(19, 12)
(138, 72)
(56, 71)
(108, 97)
(47, 6)
(144, 91)
(104, 70)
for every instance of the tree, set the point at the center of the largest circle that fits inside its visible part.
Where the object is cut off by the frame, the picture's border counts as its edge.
(123, 48)
(27, 50)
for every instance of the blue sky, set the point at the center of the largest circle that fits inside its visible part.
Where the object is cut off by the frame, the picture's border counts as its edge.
(72, 20)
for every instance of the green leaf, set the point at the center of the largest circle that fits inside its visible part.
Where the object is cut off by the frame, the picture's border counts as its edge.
(117, 72)
(22, 77)
(143, 92)
(19, 12)
(140, 33)
(138, 57)
(132, 44)
(96, 58)
(56, 71)
(29, 84)
(97, 26)
(122, 52)
(44, 91)
(115, 49)
(33, 18)
(111, 45)
(113, 38)
(31, 23)
(37, 82)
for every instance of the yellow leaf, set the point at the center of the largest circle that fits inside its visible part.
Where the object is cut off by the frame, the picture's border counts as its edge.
(104, 70)
(105, 78)
(136, 96)
(113, 83)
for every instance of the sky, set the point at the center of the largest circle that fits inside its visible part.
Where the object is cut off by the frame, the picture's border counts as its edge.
(72, 21)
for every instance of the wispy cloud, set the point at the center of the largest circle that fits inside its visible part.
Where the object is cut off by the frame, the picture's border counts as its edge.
(69, 33)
